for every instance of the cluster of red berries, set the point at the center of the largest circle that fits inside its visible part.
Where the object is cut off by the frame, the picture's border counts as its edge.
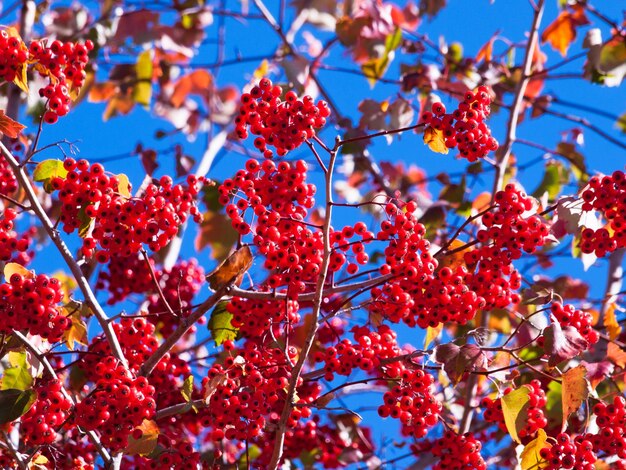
(31, 303)
(117, 405)
(11, 242)
(64, 63)
(369, 349)
(249, 389)
(120, 225)
(465, 127)
(606, 194)
(254, 318)
(124, 276)
(568, 315)
(179, 454)
(569, 453)
(13, 56)
(283, 124)
(8, 182)
(331, 330)
(458, 452)
(611, 421)
(411, 401)
(73, 452)
(534, 419)
(48, 413)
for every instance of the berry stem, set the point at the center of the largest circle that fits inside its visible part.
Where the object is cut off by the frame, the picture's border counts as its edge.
(279, 439)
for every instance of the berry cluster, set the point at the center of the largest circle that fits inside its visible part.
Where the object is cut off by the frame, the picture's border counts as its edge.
(13, 56)
(8, 182)
(124, 276)
(254, 318)
(47, 414)
(366, 353)
(30, 303)
(117, 405)
(11, 242)
(248, 389)
(606, 194)
(64, 64)
(120, 225)
(179, 454)
(569, 453)
(535, 418)
(611, 421)
(568, 315)
(411, 401)
(465, 127)
(458, 452)
(283, 124)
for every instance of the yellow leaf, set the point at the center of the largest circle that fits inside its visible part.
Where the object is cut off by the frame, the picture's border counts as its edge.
(435, 141)
(432, 333)
(123, 186)
(147, 442)
(261, 70)
(142, 92)
(515, 407)
(530, 457)
(21, 80)
(77, 332)
(613, 328)
(15, 268)
(575, 389)
(456, 259)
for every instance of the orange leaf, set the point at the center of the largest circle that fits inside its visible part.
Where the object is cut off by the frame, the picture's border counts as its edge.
(481, 202)
(562, 31)
(119, 104)
(575, 389)
(232, 269)
(9, 127)
(616, 355)
(613, 328)
(198, 82)
(435, 141)
(455, 259)
(100, 92)
(486, 52)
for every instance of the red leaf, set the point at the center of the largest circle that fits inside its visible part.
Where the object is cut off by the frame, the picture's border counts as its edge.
(562, 31)
(198, 82)
(9, 127)
(562, 344)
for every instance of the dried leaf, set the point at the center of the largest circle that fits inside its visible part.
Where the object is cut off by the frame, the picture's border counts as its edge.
(9, 127)
(575, 389)
(101, 92)
(147, 442)
(456, 259)
(530, 457)
(435, 140)
(459, 360)
(515, 407)
(486, 51)
(616, 355)
(187, 390)
(232, 269)
(613, 328)
(199, 82)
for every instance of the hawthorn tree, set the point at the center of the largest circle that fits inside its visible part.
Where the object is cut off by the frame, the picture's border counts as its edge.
(345, 307)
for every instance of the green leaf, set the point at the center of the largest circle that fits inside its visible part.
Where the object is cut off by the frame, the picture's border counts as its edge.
(142, 92)
(15, 403)
(220, 324)
(253, 451)
(515, 407)
(554, 177)
(554, 404)
(86, 223)
(187, 390)
(47, 170)
(17, 377)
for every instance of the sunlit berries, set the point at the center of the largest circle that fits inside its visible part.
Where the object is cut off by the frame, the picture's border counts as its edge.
(280, 123)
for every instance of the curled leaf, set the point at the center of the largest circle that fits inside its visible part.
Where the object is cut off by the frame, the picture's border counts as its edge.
(562, 344)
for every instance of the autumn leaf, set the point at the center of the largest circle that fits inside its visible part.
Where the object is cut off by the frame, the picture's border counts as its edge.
(76, 333)
(123, 185)
(562, 31)
(435, 140)
(217, 232)
(119, 104)
(145, 444)
(432, 333)
(575, 389)
(486, 51)
(613, 328)
(199, 82)
(16, 268)
(101, 92)
(142, 91)
(187, 390)
(9, 127)
(17, 376)
(515, 407)
(616, 355)
(15, 403)
(456, 259)
(530, 457)
(562, 344)
(231, 269)
(459, 360)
